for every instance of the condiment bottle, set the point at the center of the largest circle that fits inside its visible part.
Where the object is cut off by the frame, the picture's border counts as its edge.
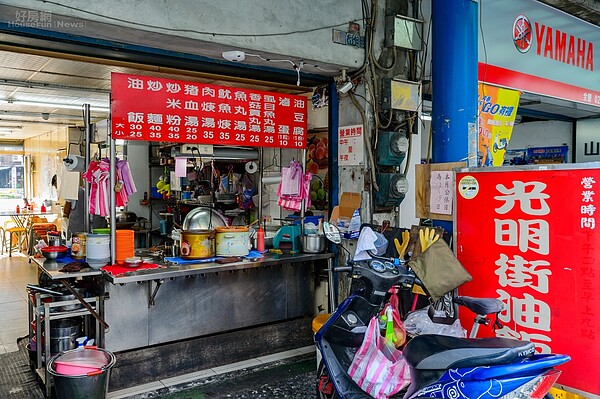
(260, 240)
(18, 209)
(43, 208)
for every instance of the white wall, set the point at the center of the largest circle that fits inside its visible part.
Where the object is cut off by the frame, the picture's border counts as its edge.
(530, 134)
(137, 155)
(542, 134)
(587, 135)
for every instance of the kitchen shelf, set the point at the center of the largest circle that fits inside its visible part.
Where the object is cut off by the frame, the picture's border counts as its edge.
(41, 313)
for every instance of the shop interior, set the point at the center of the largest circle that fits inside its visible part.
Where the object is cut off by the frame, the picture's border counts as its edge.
(43, 123)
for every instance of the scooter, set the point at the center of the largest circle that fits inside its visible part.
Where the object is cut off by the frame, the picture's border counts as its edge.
(500, 143)
(440, 366)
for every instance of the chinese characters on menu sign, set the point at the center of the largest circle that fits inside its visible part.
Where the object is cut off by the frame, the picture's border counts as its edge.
(157, 109)
(529, 238)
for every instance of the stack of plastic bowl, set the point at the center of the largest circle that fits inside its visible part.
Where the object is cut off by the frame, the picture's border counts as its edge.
(125, 247)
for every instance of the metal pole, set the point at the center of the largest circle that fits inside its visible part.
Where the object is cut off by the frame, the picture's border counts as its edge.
(259, 213)
(113, 202)
(303, 207)
(88, 139)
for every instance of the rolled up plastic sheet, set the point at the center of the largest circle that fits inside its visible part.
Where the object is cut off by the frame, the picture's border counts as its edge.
(271, 180)
(74, 163)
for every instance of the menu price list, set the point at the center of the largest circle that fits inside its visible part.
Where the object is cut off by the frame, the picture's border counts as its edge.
(157, 109)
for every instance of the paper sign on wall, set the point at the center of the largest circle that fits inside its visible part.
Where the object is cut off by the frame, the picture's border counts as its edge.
(351, 147)
(440, 198)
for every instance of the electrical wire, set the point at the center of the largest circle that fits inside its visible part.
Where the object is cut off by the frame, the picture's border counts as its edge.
(366, 140)
(193, 30)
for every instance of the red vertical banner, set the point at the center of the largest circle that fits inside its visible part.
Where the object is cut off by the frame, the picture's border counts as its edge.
(529, 238)
(158, 109)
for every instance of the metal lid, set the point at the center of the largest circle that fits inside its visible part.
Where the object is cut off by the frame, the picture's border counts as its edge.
(203, 218)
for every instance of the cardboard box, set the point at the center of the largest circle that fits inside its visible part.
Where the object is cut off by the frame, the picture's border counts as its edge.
(347, 215)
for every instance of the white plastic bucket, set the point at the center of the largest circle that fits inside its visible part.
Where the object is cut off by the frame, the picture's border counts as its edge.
(98, 249)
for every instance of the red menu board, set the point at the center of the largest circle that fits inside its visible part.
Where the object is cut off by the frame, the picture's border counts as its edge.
(157, 109)
(529, 238)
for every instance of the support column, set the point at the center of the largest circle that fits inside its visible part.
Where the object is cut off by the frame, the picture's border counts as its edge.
(454, 77)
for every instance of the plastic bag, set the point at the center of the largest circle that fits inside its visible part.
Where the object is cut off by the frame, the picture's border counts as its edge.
(291, 179)
(378, 368)
(418, 323)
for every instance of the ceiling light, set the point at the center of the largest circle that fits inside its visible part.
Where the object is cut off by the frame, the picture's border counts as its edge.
(53, 105)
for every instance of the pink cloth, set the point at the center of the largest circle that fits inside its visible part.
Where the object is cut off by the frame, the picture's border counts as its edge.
(98, 176)
(294, 202)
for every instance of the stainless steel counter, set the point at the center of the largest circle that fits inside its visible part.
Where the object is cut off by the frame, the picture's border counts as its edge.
(52, 267)
(157, 306)
(212, 267)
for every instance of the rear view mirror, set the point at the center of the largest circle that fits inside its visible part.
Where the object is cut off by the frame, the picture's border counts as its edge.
(332, 233)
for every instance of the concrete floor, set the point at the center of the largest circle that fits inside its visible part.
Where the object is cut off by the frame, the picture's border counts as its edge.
(15, 273)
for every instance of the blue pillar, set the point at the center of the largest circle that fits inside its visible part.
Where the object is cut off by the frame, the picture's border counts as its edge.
(454, 77)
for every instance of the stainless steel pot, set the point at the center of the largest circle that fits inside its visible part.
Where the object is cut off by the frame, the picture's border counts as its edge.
(126, 216)
(313, 244)
(125, 219)
(63, 334)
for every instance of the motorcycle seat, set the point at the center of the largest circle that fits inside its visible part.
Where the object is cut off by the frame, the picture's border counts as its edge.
(483, 306)
(439, 352)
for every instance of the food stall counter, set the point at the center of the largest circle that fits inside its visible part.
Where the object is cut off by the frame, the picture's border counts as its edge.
(168, 270)
(52, 269)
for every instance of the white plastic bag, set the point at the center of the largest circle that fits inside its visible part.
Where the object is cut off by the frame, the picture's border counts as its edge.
(418, 323)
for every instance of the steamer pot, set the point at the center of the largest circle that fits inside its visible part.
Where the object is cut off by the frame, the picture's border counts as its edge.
(233, 241)
(197, 244)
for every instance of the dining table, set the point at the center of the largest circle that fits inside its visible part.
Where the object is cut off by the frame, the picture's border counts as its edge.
(22, 219)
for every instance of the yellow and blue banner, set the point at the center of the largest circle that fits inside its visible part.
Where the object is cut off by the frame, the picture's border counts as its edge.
(497, 110)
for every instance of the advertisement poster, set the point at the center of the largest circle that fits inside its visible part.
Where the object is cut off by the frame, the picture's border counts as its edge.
(529, 238)
(497, 110)
(158, 109)
(317, 163)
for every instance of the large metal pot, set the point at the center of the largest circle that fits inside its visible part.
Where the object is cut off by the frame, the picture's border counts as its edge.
(233, 241)
(125, 219)
(197, 244)
(312, 243)
(203, 218)
(63, 334)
